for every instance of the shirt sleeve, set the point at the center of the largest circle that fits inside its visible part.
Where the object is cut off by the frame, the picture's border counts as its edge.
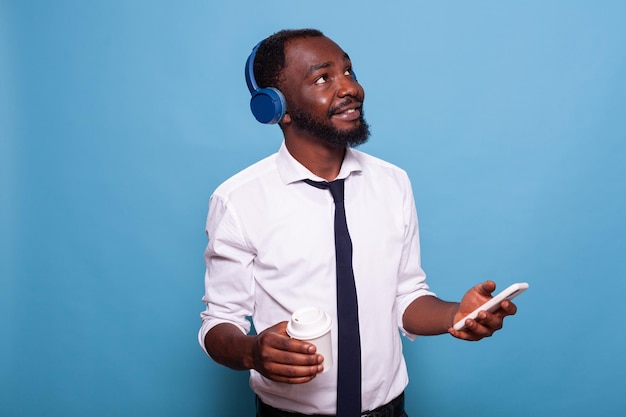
(412, 279)
(228, 280)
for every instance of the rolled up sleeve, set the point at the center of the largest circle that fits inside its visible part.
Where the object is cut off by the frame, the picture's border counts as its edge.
(228, 281)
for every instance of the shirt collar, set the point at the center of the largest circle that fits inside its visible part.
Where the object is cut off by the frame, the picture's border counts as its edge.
(290, 170)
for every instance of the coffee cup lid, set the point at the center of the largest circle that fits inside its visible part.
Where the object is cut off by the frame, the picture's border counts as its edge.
(308, 323)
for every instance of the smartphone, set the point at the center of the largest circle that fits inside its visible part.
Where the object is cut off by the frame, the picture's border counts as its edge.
(494, 303)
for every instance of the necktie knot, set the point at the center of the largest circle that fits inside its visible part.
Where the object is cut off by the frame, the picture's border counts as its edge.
(336, 187)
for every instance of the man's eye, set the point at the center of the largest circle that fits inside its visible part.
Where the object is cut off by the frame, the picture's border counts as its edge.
(321, 80)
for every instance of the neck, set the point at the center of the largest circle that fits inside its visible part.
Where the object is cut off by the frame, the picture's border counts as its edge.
(319, 157)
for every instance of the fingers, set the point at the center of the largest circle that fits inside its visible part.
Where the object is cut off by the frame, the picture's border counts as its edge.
(475, 329)
(283, 359)
(290, 373)
(507, 308)
(485, 324)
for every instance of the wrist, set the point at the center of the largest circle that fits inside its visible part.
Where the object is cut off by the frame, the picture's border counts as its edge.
(250, 344)
(456, 314)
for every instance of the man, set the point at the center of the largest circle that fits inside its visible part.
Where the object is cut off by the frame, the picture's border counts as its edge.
(272, 251)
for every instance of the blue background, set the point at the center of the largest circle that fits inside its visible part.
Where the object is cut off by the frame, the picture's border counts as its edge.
(119, 118)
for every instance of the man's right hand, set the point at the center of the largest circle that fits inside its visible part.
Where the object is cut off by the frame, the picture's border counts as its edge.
(280, 358)
(272, 353)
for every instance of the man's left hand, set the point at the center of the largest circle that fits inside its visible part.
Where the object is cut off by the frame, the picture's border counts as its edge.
(485, 323)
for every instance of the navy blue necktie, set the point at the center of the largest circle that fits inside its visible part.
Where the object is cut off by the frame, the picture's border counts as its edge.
(349, 343)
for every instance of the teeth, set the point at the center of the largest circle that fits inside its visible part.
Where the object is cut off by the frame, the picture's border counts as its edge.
(350, 111)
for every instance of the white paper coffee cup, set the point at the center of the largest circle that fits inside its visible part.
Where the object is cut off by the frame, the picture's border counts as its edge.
(313, 325)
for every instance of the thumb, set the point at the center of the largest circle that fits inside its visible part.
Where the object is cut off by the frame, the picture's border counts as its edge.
(486, 288)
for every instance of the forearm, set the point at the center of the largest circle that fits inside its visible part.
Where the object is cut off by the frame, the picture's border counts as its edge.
(429, 315)
(228, 346)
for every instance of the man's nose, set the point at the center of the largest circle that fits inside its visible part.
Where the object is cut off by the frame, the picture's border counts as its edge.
(349, 87)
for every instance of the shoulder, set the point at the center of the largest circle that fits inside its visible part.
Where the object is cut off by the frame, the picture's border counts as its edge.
(380, 168)
(248, 178)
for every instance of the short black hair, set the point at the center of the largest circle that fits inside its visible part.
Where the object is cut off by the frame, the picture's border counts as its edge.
(270, 57)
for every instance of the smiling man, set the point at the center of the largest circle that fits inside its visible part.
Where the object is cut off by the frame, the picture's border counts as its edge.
(280, 241)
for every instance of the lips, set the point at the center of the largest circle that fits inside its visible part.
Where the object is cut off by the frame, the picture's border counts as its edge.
(348, 112)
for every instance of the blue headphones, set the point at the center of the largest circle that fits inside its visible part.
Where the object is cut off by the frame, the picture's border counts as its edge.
(267, 104)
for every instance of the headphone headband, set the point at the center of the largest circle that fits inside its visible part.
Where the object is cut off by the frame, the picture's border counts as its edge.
(250, 81)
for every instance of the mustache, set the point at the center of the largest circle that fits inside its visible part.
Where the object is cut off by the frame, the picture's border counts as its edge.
(342, 106)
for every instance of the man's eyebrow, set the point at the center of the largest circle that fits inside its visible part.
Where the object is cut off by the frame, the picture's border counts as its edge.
(316, 67)
(328, 64)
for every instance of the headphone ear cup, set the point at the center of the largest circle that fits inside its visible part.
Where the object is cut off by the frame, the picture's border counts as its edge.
(268, 105)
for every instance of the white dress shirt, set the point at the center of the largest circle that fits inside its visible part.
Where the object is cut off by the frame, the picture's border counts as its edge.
(271, 251)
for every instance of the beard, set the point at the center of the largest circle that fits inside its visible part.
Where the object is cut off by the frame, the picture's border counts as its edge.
(328, 133)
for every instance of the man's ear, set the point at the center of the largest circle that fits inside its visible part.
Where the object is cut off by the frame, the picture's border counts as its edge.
(286, 119)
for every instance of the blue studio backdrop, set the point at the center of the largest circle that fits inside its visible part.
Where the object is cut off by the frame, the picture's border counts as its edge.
(119, 118)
